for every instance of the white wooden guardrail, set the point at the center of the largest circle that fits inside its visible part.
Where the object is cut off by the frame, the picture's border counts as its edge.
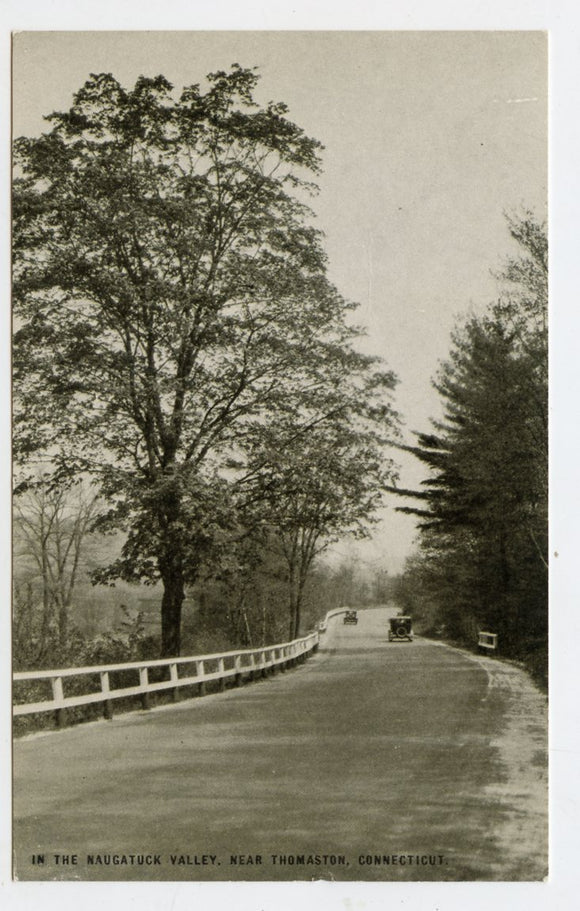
(194, 670)
(487, 640)
(332, 613)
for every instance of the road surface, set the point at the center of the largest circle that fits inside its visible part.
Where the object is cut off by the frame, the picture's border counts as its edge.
(373, 761)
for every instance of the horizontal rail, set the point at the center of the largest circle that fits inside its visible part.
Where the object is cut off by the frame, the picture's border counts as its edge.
(487, 640)
(332, 613)
(218, 666)
(157, 662)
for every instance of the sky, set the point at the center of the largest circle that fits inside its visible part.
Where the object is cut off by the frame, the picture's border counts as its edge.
(430, 138)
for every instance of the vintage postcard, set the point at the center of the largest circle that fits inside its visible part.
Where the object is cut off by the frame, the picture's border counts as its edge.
(280, 425)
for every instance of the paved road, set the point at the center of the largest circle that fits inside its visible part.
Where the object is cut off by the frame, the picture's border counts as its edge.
(373, 761)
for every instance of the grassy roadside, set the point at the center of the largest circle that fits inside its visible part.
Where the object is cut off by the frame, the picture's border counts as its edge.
(532, 656)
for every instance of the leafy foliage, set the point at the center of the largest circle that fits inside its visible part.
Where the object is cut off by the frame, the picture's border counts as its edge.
(333, 483)
(171, 301)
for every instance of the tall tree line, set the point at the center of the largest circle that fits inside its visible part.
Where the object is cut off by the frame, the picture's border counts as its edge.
(483, 509)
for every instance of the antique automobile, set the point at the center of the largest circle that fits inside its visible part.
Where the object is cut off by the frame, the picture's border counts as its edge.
(400, 628)
(350, 617)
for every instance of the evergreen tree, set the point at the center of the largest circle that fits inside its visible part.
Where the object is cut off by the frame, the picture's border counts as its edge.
(483, 509)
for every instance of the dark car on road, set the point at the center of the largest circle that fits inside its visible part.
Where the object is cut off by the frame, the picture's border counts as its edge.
(351, 616)
(400, 628)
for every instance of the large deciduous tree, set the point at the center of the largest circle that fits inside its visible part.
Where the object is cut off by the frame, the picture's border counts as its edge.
(170, 296)
(332, 482)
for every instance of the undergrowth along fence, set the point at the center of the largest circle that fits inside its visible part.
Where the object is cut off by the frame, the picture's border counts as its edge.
(107, 683)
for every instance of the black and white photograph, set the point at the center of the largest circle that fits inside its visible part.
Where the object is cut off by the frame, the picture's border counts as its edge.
(280, 552)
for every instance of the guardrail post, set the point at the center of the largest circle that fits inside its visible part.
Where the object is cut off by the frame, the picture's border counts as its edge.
(144, 682)
(58, 697)
(221, 670)
(488, 641)
(174, 679)
(238, 667)
(200, 672)
(105, 689)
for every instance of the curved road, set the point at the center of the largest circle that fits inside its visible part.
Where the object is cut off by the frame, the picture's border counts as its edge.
(373, 761)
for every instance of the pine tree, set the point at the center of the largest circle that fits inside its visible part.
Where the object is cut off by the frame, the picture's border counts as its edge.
(483, 508)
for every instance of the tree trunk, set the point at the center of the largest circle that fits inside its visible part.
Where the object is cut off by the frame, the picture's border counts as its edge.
(298, 604)
(291, 600)
(300, 584)
(62, 621)
(297, 617)
(507, 605)
(171, 562)
(171, 570)
(295, 607)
